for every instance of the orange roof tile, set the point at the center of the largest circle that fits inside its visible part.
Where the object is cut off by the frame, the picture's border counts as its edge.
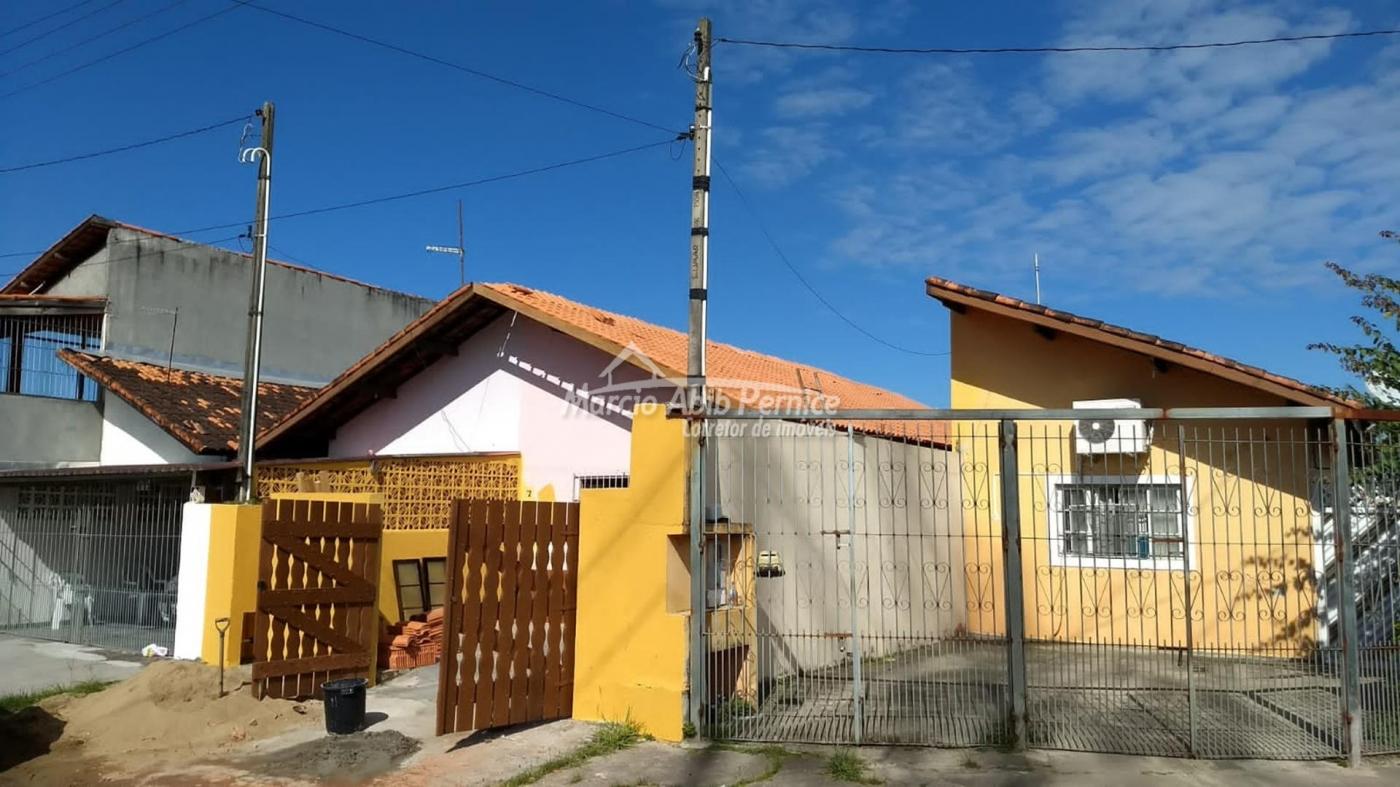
(200, 410)
(951, 292)
(733, 371)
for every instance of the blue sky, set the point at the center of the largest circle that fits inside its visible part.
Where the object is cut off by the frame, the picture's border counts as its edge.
(1191, 194)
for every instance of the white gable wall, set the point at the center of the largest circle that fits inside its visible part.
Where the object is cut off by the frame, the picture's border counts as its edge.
(130, 438)
(505, 390)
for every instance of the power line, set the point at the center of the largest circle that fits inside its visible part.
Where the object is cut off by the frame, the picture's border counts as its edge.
(90, 39)
(61, 27)
(404, 195)
(46, 17)
(119, 52)
(763, 228)
(457, 66)
(1030, 50)
(470, 183)
(124, 148)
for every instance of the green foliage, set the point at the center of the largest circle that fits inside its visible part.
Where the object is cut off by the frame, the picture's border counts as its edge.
(727, 717)
(611, 737)
(1376, 359)
(777, 757)
(12, 703)
(846, 766)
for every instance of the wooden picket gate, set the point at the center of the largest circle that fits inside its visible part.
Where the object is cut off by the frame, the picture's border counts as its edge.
(512, 583)
(318, 574)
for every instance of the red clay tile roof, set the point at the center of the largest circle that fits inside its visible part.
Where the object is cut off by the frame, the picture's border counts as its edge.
(953, 293)
(200, 410)
(732, 370)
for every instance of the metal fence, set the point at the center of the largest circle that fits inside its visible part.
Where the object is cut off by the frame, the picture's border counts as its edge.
(1117, 582)
(93, 562)
(29, 362)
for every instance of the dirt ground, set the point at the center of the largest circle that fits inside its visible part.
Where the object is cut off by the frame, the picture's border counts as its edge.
(347, 759)
(169, 713)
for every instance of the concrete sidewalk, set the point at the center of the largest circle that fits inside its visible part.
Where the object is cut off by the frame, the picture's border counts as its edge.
(661, 764)
(35, 664)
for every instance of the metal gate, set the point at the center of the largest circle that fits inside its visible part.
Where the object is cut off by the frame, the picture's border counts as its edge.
(955, 578)
(93, 562)
(852, 586)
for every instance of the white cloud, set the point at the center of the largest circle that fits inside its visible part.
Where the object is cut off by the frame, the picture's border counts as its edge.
(786, 154)
(815, 102)
(1207, 171)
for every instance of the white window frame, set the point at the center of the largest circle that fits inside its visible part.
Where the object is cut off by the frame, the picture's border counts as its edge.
(1056, 515)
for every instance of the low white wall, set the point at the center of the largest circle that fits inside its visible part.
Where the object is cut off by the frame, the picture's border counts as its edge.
(194, 580)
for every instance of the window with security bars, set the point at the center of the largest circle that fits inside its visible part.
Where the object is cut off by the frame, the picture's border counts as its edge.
(1123, 520)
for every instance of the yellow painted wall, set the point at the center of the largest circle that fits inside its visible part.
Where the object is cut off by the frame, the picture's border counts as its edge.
(235, 535)
(1253, 561)
(403, 545)
(630, 651)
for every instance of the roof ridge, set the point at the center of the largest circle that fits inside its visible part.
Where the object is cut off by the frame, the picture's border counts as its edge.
(953, 288)
(177, 368)
(712, 342)
(285, 264)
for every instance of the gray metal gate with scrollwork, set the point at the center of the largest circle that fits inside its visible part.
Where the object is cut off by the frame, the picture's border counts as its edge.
(884, 580)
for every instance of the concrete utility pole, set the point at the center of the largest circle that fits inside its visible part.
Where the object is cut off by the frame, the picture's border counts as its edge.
(700, 219)
(695, 381)
(252, 359)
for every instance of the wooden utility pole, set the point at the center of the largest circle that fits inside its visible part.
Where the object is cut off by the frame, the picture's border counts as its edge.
(252, 359)
(695, 379)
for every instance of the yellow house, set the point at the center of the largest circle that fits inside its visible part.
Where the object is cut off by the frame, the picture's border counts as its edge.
(1119, 537)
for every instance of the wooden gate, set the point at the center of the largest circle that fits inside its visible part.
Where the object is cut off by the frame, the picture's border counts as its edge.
(512, 581)
(318, 572)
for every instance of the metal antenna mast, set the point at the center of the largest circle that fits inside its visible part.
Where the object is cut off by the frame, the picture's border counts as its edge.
(460, 249)
(1037, 277)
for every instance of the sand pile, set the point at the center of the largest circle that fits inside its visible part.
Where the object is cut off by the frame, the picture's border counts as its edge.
(170, 709)
(174, 706)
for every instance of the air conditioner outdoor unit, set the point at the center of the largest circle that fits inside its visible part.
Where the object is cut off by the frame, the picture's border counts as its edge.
(1095, 436)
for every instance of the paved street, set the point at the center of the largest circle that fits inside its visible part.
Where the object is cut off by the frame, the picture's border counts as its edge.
(33, 664)
(654, 763)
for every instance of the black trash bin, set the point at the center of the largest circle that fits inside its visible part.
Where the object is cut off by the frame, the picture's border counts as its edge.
(345, 705)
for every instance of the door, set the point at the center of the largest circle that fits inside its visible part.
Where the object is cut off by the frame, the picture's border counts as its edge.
(508, 650)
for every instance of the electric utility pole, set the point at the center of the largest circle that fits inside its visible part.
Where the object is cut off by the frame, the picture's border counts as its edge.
(252, 358)
(695, 381)
(460, 249)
